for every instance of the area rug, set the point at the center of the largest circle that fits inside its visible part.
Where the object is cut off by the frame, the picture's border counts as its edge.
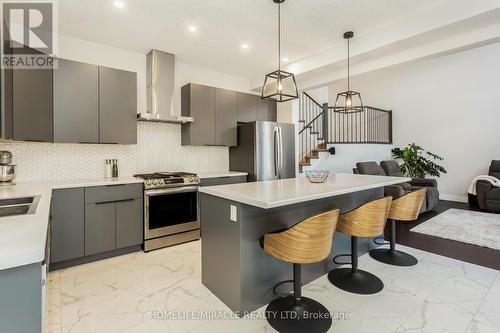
(464, 226)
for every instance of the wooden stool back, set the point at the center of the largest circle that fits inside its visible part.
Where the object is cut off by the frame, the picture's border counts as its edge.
(307, 242)
(407, 207)
(366, 221)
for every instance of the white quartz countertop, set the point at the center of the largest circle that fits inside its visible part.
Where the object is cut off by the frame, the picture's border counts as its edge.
(276, 193)
(23, 237)
(221, 174)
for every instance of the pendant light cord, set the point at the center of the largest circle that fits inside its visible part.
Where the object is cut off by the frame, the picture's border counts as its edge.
(348, 65)
(279, 36)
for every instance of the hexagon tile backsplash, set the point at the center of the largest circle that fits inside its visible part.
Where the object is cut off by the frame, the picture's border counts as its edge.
(158, 149)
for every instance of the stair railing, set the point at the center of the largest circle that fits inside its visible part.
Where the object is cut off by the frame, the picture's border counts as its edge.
(321, 126)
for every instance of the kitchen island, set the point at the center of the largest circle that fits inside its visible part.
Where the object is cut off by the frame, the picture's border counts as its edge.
(235, 217)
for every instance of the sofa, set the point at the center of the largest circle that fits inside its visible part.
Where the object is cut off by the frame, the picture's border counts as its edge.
(488, 196)
(391, 168)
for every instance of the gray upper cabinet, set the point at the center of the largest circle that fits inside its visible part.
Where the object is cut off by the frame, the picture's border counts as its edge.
(266, 110)
(67, 224)
(216, 114)
(226, 110)
(247, 107)
(76, 102)
(32, 105)
(117, 106)
(198, 101)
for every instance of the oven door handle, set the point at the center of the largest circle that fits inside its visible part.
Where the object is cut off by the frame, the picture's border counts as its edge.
(163, 191)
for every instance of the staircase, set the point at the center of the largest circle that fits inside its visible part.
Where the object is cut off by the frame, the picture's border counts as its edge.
(320, 125)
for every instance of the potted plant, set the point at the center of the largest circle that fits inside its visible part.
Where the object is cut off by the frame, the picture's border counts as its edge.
(417, 162)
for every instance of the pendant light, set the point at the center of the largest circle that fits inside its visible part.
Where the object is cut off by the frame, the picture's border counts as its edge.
(349, 101)
(279, 86)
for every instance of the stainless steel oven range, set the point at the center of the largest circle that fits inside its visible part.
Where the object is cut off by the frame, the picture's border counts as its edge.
(170, 209)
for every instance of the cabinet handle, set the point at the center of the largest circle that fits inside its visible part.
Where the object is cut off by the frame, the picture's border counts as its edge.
(113, 201)
(125, 200)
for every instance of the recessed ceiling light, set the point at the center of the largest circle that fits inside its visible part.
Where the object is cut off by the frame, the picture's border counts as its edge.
(285, 59)
(119, 4)
(192, 28)
(245, 46)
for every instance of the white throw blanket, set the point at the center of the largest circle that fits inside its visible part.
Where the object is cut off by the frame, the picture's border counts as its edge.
(472, 187)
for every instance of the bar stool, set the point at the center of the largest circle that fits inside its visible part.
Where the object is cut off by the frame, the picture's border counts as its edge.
(366, 221)
(405, 208)
(307, 242)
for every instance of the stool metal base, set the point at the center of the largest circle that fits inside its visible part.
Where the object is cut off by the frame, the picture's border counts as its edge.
(394, 257)
(285, 315)
(357, 282)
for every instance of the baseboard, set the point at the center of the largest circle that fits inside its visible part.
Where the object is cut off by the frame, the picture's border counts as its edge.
(451, 197)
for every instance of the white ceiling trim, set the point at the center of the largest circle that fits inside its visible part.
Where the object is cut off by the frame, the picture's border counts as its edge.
(447, 27)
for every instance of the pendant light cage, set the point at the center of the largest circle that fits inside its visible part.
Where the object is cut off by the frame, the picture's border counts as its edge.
(279, 85)
(349, 101)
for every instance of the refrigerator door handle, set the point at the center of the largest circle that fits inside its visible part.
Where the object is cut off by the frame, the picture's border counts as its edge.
(276, 152)
(280, 155)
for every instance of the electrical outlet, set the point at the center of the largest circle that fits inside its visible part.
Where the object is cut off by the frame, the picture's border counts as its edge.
(234, 213)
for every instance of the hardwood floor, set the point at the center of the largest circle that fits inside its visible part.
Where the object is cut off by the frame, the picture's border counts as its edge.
(462, 251)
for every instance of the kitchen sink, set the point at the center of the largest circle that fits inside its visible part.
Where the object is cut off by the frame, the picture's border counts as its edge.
(18, 206)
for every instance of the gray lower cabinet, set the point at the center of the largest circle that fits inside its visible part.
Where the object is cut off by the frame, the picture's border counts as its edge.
(128, 231)
(117, 106)
(32, 105)
(76, 102)
(113, 217)
(94, 220)
(266, 110)
(99, 227)
(21, 299)
(226, 113)
(223, 180)
(67, 224)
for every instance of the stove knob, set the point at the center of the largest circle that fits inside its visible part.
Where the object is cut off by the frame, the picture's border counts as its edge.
(155, 182)
(148, 182)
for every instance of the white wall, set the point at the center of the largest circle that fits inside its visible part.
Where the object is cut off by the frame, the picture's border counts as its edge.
(158, 147)
(449, 105)
(346, 156)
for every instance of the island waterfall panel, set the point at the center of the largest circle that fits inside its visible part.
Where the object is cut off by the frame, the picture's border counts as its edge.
(235, 267)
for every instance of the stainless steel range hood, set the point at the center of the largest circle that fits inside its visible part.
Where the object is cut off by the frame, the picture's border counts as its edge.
(160, 75)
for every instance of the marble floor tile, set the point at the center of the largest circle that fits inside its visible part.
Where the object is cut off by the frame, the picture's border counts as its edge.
(161, 291)
(487, 318)
(389, 309)
(437, 317)
(359, 324)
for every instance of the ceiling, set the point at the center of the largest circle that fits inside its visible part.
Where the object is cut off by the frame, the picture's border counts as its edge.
(309, 27)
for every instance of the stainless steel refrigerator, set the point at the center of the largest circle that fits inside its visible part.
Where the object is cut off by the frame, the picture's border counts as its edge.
(266, 150)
